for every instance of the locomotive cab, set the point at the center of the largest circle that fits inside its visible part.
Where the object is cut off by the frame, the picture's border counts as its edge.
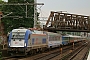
(18, 41)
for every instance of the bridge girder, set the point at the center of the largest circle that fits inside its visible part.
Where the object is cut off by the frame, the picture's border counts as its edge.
(68, 22)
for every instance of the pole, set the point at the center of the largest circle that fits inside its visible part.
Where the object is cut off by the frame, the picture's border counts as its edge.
(61, 52)
(73, 45)
(61, 49)
(35, 13)
(26, 11)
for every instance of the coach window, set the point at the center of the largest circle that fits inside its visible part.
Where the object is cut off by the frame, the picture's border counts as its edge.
(55, 38)
(50, 38)
(20, 40)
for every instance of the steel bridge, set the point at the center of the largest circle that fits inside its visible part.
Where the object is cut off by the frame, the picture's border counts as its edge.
(60, 21)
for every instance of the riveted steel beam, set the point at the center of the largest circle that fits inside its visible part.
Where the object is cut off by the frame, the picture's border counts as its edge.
(68, 22)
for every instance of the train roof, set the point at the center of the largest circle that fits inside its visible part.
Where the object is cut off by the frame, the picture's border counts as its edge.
(71, 36)
(37, 32)
(19, 30)
(52, 33)
(44, 32)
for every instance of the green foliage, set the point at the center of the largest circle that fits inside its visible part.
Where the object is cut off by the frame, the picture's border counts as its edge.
(20, 1)
(14, 22)
(0, 55)
(1, 1)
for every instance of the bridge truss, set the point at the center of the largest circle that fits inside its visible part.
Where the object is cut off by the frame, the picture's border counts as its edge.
(60, 21)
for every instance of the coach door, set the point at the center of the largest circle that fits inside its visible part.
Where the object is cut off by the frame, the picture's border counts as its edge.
(29, 40)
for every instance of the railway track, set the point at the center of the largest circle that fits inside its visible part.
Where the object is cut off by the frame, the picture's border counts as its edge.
(13, 57)
(77, 54)
(51, 55)
(64, 53)
(54, 54)
(9, 58)
(37, 55)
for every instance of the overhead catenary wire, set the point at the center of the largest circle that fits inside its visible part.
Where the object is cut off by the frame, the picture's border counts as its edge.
(42, 13)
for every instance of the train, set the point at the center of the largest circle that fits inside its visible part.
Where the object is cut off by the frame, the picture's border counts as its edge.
(67, 39)
(22, 41)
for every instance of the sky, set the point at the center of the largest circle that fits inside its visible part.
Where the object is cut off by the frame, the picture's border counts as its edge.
(70, 6)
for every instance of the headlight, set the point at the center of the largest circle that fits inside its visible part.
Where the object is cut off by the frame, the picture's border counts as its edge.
(25, 44)
(9, 44)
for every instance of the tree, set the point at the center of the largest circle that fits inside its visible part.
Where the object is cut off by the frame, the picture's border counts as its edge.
(18, 17)
(0, 0)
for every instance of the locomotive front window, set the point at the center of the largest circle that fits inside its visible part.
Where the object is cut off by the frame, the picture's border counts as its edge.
(18, 35)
